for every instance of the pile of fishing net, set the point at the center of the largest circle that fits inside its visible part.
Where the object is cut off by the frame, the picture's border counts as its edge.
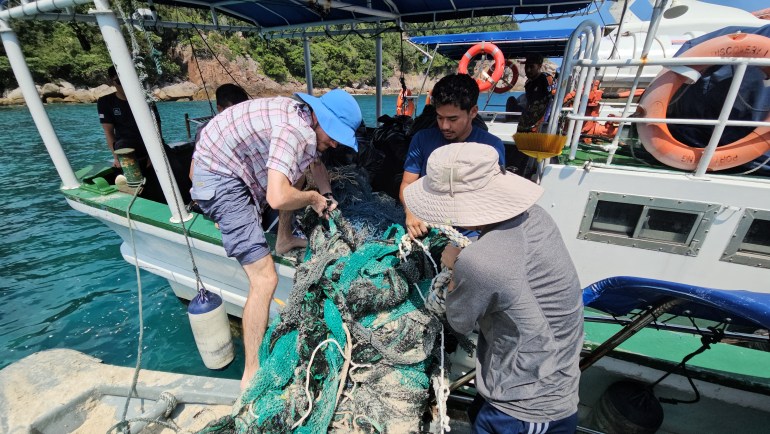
(354, 350)
(369, 212)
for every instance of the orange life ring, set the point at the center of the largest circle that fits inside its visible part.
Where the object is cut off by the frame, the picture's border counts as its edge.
(488, 80)
(427, 98)
(507, 80)
(657, 138)
(404, 105)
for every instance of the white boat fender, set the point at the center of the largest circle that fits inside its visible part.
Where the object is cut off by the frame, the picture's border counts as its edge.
(211, 329)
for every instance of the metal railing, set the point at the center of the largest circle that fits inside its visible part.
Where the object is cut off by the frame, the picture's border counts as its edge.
(581, 61)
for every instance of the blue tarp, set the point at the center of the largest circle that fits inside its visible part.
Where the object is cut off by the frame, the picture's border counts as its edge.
(621, 295)
(517, 43)
(273, 13)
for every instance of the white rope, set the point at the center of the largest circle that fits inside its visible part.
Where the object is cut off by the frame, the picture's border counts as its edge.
(419, 292)
(441, 388)
(307, 379)
(435, 302)
(123, 425)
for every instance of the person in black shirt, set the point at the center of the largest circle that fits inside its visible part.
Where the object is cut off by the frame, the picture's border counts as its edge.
(118, 122)
(539, 90)
(121, 131)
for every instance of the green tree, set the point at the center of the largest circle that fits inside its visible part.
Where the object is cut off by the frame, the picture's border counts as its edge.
(76, 52)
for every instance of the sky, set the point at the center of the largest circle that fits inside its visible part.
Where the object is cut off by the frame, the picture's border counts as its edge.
(642, 8)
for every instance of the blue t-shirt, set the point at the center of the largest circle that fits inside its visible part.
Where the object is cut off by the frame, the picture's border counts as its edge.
(428, 140)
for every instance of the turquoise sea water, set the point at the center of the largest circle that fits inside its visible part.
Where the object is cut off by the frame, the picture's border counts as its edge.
(63, 283)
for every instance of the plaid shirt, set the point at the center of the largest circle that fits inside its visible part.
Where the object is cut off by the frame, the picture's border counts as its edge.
(247, 139)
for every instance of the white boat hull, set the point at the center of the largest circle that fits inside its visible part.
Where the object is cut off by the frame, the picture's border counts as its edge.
(567, 190)
(165, 254)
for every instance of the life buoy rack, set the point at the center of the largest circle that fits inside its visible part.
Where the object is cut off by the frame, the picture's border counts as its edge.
(487, 80)
(404, 104)
(657, 138)
(508, 79)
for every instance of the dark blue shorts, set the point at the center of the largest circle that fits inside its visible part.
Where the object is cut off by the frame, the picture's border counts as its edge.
(485, 418)
(228, 201)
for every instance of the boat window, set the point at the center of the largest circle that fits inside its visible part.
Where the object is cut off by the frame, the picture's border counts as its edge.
(614, 217)
(757, 239)
(668, 225)
(750, 244)
(661, 224)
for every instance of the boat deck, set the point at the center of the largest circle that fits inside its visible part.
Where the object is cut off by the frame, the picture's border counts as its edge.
(635, 156)
(666, 347)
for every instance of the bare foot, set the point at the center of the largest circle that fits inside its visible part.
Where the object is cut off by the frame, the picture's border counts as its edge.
(284, 246)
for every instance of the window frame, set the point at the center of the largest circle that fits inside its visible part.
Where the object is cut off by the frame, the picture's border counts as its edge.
(703, 211)
(733, 253)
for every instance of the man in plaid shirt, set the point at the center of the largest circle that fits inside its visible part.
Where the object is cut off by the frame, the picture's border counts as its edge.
(251, 155)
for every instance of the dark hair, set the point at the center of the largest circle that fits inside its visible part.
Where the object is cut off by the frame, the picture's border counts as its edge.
(535, 58)
(460, 90)
(230, 94)
(111, 72)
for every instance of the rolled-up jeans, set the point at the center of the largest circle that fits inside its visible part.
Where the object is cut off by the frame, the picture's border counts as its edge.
(228, 201)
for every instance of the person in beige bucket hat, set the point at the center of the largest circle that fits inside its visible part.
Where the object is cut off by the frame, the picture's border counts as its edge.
(516, 285)
(464, 186)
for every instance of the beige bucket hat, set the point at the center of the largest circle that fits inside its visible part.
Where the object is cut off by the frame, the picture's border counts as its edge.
(466, 186)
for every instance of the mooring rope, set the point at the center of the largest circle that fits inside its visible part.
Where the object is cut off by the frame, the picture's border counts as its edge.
(123, 425)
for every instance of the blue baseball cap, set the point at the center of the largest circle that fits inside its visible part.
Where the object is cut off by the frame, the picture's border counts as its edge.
(338, 113)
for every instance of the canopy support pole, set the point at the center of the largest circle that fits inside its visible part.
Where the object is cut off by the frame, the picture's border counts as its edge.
(35, 106)
(308, 65)
(121, 57)
(378, 75)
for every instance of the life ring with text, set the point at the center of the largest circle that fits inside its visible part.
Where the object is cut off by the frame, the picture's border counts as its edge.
(508, 79)
(404, 104)
(486, 81)
(657, 138)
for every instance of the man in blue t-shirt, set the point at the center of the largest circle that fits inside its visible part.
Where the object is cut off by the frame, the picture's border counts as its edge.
(455, 98)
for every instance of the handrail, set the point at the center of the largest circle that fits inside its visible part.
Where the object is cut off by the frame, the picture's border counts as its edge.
(655, 19)
(495, 114)
(577, 65)
(724, 115)
(678, 121)
(678, 61)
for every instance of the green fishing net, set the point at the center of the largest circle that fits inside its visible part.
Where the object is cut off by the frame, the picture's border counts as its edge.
(356, 309)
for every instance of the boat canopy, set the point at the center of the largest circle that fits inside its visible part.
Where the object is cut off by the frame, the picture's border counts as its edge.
(514, 44)
(620, 295)
(272, 15)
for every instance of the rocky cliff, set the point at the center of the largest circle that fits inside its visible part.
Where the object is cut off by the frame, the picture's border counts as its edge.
(203, 76)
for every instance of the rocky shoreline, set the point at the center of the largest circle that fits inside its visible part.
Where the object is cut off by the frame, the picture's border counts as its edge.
(65, 92)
